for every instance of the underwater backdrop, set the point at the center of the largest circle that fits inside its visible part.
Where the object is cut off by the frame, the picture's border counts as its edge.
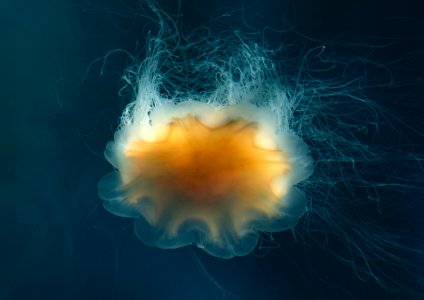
(61, 96)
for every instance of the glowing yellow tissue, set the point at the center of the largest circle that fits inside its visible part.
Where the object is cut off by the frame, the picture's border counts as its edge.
(219, 179)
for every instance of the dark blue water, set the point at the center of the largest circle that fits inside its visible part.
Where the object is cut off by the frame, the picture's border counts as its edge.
(59, 110)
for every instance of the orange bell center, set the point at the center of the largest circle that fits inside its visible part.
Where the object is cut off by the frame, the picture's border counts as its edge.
(207, 165)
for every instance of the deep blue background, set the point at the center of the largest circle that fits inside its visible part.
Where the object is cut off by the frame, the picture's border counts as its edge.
(57, 113)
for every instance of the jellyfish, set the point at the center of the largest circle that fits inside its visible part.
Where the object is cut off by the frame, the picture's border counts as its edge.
(226, 141)
(211, 166)
(209, 175)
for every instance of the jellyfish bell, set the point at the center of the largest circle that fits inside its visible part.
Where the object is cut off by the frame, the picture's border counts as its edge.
(210, 175)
